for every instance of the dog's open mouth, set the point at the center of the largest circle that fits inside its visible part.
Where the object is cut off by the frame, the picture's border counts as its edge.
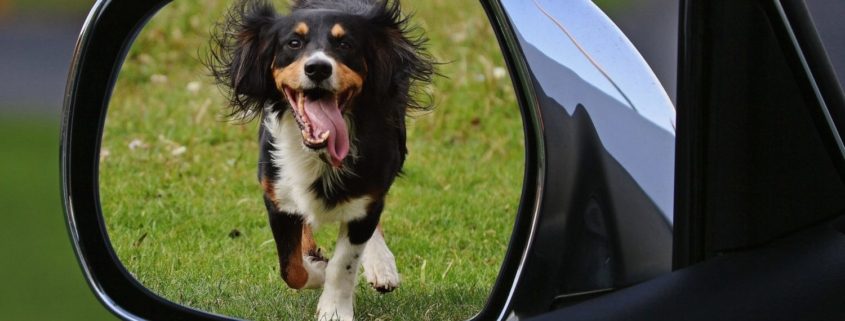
(319, 113)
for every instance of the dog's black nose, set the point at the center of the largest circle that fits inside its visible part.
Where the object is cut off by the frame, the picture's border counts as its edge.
(318, 70)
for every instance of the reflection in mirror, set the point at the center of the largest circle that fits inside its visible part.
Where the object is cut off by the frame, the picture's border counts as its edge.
(620, 77)
(607, 217)
(185, 213)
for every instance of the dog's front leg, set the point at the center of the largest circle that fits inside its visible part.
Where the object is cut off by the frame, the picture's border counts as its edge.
(338, 294)
(300, 264)
(339, 288)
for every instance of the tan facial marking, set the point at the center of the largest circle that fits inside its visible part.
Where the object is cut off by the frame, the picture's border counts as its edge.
(288, 75)
(301, 29)
(338, 31)
(349, 79)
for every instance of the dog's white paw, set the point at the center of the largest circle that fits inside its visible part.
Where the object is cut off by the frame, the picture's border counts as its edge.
(380, 266)
(334, 308)
(381, 274)
(316, 268)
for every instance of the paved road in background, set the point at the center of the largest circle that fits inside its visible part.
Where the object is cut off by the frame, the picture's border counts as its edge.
(35, 53)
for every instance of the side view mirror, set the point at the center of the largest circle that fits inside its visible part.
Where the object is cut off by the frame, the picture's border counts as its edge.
(597, 196)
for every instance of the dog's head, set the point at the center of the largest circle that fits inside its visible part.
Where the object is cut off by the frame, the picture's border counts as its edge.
(321, 59)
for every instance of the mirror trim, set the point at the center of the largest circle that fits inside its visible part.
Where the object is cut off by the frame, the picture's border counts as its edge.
(103, 44)
(500, 300)
(107, 33)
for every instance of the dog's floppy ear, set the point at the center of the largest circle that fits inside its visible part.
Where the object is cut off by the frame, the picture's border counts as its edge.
(241, 56)
(399, 62)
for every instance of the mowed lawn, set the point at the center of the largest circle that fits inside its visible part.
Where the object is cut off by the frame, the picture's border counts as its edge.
(184, 210)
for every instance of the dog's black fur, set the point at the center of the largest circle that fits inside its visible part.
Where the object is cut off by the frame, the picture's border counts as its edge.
(247, 43)
(255, 45)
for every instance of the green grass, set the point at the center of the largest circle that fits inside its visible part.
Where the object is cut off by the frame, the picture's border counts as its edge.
(170, 214)
(41, 279)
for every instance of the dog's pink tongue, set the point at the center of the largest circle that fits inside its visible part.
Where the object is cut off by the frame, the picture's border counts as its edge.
(325, 116)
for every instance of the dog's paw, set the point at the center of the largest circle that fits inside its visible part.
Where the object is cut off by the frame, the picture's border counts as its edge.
(316, 254)
(382, 276)
(380, 269)
(316, 267)
(329, 308)
(332, 317)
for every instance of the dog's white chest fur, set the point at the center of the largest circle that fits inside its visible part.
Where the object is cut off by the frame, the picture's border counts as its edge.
(299, 169)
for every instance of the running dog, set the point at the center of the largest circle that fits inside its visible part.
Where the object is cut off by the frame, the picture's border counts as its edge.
(332, 83)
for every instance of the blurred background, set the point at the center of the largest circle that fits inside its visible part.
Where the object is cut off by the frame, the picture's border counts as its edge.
(41, 279)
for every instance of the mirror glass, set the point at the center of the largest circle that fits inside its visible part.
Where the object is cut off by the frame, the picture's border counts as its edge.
(185, 213)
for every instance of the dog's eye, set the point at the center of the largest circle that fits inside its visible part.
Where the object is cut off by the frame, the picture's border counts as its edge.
(295, 44)
(343, 45)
